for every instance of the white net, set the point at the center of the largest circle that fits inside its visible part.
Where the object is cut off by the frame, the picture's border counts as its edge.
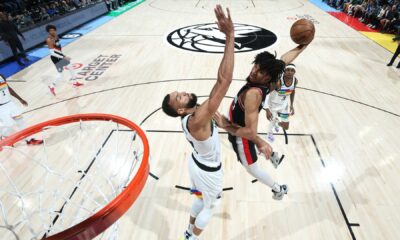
(79, 169)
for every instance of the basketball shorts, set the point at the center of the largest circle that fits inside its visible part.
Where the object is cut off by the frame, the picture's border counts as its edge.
(208, 182)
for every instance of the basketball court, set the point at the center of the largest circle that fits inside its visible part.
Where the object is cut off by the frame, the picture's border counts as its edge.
(341, 153)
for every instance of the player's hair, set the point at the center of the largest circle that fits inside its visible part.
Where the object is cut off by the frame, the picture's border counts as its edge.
(49, 27)
(167, 109)
(268, 63)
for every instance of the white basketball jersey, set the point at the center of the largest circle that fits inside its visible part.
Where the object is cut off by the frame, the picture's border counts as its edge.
(5, 95)
(207, 152)
(281, 96)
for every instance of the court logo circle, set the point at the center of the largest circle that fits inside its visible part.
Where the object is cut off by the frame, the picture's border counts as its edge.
(207, 38)
(74, 66)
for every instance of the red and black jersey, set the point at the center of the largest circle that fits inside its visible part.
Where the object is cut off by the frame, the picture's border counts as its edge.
(236, 111)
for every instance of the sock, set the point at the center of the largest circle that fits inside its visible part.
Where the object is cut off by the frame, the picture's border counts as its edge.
(271, 125)
(71, 71)
(56, 79)
(190, 228)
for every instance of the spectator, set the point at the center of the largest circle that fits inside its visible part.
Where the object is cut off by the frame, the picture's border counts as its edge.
(9, 33)
(389, 18)
(108, 4)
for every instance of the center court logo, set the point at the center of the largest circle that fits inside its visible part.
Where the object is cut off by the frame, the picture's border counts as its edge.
(208, 39)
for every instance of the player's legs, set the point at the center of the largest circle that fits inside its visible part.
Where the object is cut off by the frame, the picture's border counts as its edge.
(246, 154)
(209, 184)
(16, 115)
(272, 125)
(57, 77)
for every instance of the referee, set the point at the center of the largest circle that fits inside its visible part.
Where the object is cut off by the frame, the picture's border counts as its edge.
(397, 39)
(9, 33)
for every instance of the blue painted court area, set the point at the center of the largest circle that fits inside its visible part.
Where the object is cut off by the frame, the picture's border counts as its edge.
(322, 5)
(10, 68)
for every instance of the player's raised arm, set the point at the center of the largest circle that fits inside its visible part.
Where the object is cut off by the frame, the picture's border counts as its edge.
(225, 71)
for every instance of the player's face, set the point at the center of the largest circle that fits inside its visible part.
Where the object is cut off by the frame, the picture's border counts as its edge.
(182, 100)
(258, 76)
(53, 32)
(289, 72)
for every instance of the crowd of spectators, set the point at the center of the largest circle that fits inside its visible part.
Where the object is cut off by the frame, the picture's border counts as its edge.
(383, 15)
(25, 13)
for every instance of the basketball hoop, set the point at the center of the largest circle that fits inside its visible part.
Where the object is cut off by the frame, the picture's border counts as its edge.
(89, 171)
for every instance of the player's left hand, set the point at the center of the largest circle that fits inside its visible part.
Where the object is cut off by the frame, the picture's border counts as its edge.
(224, 23)
(302, 46)
(23, 102)
(221, 120)
(291, 110)
(264, 148)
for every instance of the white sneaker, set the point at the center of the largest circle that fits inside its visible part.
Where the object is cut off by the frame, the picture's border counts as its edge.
(271, 137)
(279, 195)
(276, 160)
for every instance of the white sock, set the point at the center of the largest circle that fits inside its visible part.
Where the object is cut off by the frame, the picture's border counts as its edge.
(271, 125)
(71, 71)
(56, 79)
(190, 228)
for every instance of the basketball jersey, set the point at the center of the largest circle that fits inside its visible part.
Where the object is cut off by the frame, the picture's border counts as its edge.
(57, 49)
(280, 97)
(57, 44)
(208, 151)
(236, 111)
(5, 95)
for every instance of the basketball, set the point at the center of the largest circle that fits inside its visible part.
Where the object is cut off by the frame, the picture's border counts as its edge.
(302, 31)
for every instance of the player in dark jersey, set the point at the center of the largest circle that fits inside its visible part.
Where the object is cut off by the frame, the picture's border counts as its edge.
(242, 121)
(58, 58)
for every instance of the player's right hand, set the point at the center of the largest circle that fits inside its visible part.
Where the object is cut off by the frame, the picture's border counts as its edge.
(67, 58)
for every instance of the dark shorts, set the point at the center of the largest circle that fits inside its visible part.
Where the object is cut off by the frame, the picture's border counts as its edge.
(245, 150)
(59, 63)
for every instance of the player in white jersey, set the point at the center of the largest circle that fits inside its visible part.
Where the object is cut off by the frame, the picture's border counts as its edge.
(205, 168)
(10, 113)
(277, 107)
(59, 59)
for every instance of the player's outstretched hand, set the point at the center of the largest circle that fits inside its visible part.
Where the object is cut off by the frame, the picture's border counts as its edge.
(224, 23)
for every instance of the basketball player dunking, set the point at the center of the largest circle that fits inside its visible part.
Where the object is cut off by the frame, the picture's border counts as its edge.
(11, 113)
(58, 58)
(197, 122)
(242, 122)
(277, 108)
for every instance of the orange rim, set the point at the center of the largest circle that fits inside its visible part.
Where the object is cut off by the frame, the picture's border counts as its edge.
(108, 215)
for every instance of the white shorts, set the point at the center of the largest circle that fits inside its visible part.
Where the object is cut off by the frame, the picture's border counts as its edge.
(210, 184)
(8, 113)
(280, 112)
